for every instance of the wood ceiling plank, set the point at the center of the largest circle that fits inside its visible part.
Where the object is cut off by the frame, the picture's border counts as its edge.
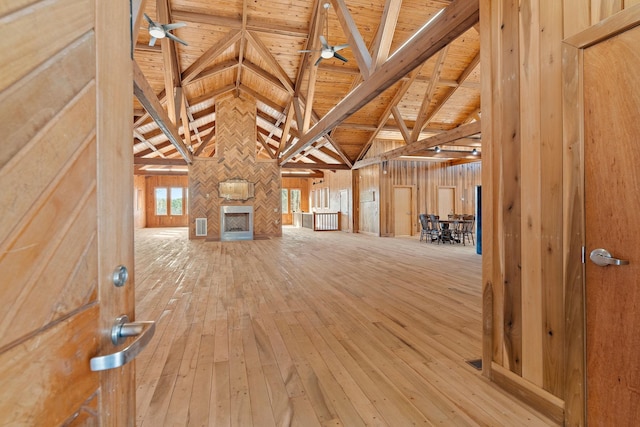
(455, 19)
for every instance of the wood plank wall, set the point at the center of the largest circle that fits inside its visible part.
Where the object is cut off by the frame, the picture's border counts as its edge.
(139, 202)
(427, 177)
(525, 344)
(167, 181)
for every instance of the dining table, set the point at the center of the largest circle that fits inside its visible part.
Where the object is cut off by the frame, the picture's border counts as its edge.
(446, 234)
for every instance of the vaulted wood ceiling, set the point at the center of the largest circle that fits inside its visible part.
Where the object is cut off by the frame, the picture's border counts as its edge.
(411, 81)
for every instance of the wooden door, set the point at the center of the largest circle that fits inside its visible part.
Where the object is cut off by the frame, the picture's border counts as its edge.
(446, 201)
(402, 211)
(612, 213)
(66, 207)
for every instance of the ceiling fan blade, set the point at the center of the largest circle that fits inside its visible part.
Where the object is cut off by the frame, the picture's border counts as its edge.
(173, 26)
(149, 20)
(174, 38)
(340, 47)
(340, 57)
(318, 61)
(324, 43)
(308, 50)
(152, 42)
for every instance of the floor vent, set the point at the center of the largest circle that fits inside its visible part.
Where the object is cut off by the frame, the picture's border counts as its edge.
(476, 363)
(201, 226)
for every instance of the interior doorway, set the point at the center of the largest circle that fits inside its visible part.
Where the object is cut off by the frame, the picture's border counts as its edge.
(602, 206)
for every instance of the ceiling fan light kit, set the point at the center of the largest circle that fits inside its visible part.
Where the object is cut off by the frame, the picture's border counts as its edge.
(156, 32)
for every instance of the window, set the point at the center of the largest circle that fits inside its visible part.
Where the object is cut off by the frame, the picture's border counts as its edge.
(170, 201)
(176, 201)
(161, 201)
(295, 200)
(285, 201)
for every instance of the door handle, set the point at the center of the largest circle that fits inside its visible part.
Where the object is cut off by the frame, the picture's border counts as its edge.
(119, 332)
(602, 257)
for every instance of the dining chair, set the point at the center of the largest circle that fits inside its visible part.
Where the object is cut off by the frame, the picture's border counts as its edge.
(424, 227)
(435, 230)
(467, 228)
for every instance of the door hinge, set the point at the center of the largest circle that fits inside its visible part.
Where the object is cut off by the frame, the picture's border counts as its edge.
(584, 255)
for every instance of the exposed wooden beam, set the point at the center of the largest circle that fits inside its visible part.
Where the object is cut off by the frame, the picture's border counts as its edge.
(260, 97)
(137, 7)
(212, 53)
(236, 24)
(146, 142)
(443, 100)
(310, 43)
(266, 54)
(285, 130)
(462, 131)
(421, 117)
(455, 19)
(265, 145)
(320, 166)
(443, 154)
(356, 43)
(385, 115)
(270, 78)
(295, 174)
(339, 150)
(402, 126)
(312, 71)
(216, 69)
(206, 141)
(143, 91)
(386, 30)
(156, 161)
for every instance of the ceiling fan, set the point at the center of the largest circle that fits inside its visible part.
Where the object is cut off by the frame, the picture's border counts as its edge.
(327, 51)
(160, 31)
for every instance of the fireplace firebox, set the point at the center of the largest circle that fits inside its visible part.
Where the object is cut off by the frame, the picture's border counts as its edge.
(236, 223)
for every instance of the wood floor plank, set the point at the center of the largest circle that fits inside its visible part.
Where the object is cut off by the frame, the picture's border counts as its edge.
(313, 329)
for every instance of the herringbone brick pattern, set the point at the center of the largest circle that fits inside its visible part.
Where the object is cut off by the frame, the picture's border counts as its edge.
(235, 158)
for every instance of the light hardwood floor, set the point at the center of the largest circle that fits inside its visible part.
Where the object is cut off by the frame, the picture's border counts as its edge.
(311, 329)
